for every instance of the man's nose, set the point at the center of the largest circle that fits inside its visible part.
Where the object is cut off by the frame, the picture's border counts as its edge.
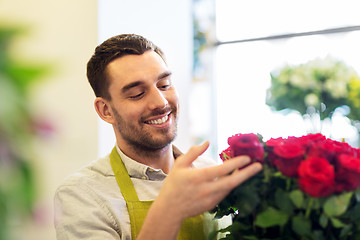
(157, 99)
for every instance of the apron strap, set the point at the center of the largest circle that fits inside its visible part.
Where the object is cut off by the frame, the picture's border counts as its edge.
(191, 228)
(122, 177)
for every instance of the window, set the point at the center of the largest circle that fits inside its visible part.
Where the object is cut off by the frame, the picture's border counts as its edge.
(258, 37)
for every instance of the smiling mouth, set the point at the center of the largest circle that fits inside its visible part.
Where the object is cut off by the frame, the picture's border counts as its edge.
(158, 121)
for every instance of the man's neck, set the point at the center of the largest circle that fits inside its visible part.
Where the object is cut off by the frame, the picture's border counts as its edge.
(159, 159)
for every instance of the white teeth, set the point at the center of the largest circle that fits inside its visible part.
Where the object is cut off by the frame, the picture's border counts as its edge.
(159, 121)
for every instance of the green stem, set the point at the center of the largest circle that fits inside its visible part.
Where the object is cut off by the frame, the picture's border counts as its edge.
(309, 207)
(288, 184)
(267, 174)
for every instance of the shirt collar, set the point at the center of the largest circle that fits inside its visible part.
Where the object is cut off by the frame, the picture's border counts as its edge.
(139, 170)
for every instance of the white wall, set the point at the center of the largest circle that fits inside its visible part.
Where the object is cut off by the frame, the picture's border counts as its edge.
(168, 23)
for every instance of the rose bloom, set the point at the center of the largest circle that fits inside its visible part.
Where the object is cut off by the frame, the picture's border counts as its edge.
(309, 139)
(318, 145)
(270, 145)
(357, 152)
(338, 147)
(287, 157)
(246, 144)
(274, 142)
(347, 173)
(316, 177)
(323, 149)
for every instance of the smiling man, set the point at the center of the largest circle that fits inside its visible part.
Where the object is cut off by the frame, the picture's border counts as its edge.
(145, 188)
(142, 107)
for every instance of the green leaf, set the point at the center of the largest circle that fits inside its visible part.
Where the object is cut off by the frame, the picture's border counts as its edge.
(337, 223)
(355, 213)
(323, 221)
(301, 225)
(247, 197)
(357, 195)
(251, 238)
(271, 217)
(25, 75)
(235, 227)
(337, 205)
(297, 197)
(346, 230)
(283, 201)
(318, 235)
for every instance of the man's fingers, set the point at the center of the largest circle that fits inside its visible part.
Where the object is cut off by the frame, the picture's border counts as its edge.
(219, 188)
(227, 167)
(239, 176)
(193, 153)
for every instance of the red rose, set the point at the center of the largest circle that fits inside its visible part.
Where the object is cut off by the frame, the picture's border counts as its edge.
(270, 145)
(338, 147)
(273, 142)
(328, 149)
(246, 144)
(308, 140)
(347, 173)
(289, 150)
(322, 150)
(316, 177)
(287, 157)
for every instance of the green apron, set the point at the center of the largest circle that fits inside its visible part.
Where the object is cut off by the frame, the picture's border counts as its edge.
(191, 229)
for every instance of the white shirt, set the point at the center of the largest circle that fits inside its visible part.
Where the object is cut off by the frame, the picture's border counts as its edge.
(89, 204)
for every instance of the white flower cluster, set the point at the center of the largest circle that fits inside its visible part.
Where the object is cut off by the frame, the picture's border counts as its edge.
(316, 78)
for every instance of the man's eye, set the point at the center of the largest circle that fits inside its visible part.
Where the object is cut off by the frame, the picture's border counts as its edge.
(165, 86)
(137, 96)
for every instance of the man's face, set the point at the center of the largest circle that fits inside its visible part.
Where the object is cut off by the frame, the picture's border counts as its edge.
(143, 101)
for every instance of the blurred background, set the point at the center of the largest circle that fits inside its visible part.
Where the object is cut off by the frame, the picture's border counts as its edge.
(48, 127)
(270, 67)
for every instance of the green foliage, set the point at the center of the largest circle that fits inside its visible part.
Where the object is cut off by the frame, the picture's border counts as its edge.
(271, 217)
(17, 131)
(337, 205)
(273, 207)
(297, 197)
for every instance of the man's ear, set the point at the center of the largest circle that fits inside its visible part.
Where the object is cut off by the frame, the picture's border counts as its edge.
(103, 109)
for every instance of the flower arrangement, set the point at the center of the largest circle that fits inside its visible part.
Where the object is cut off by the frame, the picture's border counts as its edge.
(319, 86)
(308, 189)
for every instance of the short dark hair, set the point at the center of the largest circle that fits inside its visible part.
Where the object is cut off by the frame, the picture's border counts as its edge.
(109, 50)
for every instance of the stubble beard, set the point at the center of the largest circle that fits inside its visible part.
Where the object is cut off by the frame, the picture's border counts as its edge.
(142, 141)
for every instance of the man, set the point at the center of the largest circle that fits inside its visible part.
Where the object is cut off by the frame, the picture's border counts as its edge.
(145, 189)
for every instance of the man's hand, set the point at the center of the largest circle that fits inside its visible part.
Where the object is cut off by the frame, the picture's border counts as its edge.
(188, 192)
(194, 191)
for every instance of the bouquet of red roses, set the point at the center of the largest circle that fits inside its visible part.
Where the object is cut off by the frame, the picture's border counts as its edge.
(308, 189)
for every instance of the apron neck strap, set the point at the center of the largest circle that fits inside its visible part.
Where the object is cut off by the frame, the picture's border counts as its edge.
(122, 177)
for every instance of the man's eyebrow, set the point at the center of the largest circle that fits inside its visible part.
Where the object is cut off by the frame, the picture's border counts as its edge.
(131, 85)
(165, 74)
(138, 83)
